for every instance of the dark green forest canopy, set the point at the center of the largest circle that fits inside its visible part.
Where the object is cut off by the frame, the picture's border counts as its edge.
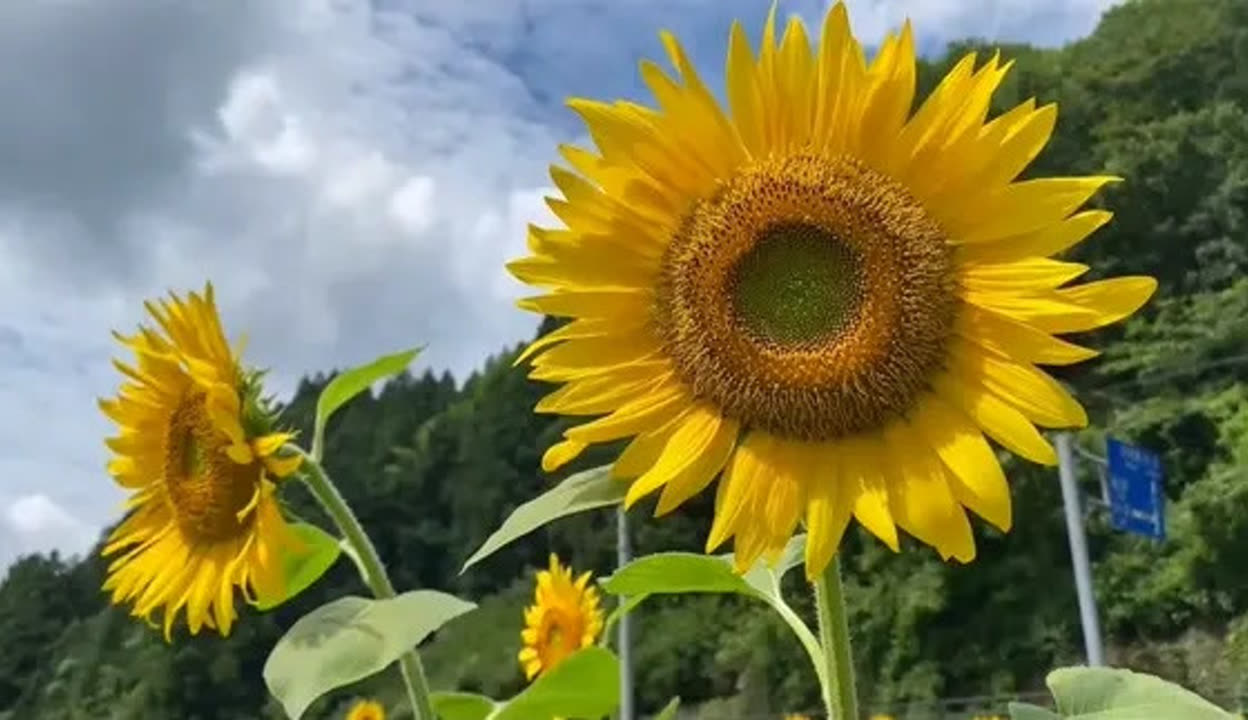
(1157, 95)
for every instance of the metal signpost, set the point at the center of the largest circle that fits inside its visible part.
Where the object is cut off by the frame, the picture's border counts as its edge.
(1079, 551)
(1136, 503)
(623, 553)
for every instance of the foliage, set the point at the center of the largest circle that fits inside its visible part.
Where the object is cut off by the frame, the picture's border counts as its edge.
(1159, 95)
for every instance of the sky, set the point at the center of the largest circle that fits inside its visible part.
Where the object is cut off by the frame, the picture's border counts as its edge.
(351, 175)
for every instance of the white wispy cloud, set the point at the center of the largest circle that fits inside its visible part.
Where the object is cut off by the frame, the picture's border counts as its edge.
(351, 175)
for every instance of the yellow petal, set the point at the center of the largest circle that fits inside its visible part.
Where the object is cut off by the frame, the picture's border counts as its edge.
(644, 450)
(996, 418)
(1025, 207)
(610, 303)
(1111, 300)
(862, 460)
(794, 79)
(600, 394)
(592, 353)
(920, 498)
(694, 479)
(744, 94)
(888, 97)
(560, 454)
(1016, 340)
(747, 469)
(642, 414)
(830, 495)
(783, 502)
(977, 480)
(583, 328)
(1047, 241)
(840, 76)
(696, 433)
(1029, 390)
(1019, 275)
(626, 132)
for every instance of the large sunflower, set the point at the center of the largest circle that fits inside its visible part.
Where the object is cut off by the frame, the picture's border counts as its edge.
(824, 296)
(196, 453)
(564, 618)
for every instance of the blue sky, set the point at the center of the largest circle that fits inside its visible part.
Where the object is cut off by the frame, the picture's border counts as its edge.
(351, 175)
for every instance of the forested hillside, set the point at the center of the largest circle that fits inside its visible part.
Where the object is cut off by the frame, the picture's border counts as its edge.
(1157, 95)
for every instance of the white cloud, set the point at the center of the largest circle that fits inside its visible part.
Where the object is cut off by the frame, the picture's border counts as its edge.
(321, 161)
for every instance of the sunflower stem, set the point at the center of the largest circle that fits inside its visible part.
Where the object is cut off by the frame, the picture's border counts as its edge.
(838, 679)
(371, 570)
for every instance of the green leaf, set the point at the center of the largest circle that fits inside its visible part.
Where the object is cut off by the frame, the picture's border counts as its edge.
(580, 492)
(585, 685)
(301, 569)
(461, 705)
(1097, 693)
(670, 573)
(1027, 711)
(350, 639)
(676, 572)
(350, 383)
(669, 710)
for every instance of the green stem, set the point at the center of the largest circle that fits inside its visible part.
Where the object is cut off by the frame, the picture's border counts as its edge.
(371, 570)
(838, 686)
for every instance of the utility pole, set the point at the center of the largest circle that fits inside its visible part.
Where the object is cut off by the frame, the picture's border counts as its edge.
(1079, 551)
(623, 555)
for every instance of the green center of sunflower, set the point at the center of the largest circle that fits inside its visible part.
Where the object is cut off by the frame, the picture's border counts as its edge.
(810, 296)
(207, 490)
(797, 285)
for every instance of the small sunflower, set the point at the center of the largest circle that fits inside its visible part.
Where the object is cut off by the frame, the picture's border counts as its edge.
(828, 299)
(367, 710)
(564, 618)
(196, 453)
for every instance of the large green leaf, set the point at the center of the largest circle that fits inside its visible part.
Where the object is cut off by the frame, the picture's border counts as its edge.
(461, 706)
(580, 492)
(1097, 693)
(350, 383)
(673, 573)
(350, 639)
(676, 572)
(585, 685)
(301, 569)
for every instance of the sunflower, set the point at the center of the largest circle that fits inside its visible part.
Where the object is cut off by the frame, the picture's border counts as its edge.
(823, 296)
(196, 454)
(564, 618)
(366, 710)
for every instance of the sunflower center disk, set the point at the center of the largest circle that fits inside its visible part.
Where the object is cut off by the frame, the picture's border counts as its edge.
(811, 297)
(206, 488)
(797, 285)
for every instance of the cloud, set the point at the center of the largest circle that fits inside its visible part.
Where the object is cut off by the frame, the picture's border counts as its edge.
(351, 175)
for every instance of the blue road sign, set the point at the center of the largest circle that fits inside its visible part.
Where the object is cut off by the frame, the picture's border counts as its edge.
(1136, 501)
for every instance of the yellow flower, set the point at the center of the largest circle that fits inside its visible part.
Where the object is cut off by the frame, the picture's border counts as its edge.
(564, 618)
(828, 299)
(366, 710)
(195, 453)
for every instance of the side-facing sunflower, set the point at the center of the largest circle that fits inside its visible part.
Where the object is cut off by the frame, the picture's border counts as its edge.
(367, 710)
(196, 451)
(564, 618)
(827, 298)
